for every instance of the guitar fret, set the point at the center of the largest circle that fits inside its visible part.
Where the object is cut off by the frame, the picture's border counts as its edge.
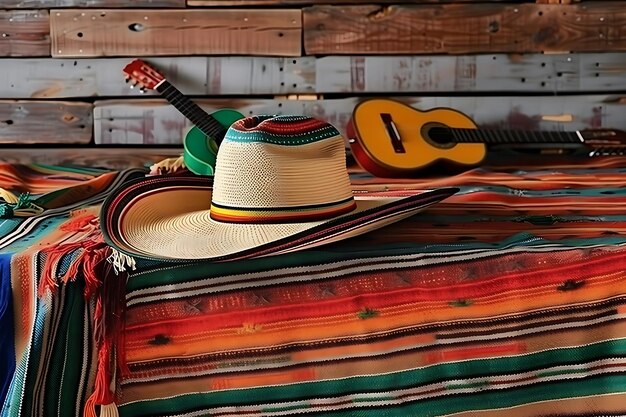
(452, 132)
(472, 135)
(459, 135)
(500, 136)
(558, 138)
(572, 137)
(538, 135)
(523, 137)
(552, 138)
(492, 136)
(466, 135)
(455, 136)
(529, 137)
(485, 136)
(475, 136)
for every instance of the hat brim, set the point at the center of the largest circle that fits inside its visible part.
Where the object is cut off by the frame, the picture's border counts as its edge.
(167, 218)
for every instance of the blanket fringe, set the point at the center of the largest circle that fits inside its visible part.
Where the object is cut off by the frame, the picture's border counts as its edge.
(120, 261)
(109, 410)
(108, 331)
(106, 410)
(103, 392)
(102, 269)
(91, 252)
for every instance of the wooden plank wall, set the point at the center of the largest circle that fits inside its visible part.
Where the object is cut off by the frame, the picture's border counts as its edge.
(554, 65)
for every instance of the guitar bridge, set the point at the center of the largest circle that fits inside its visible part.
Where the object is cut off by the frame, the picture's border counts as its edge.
(393, 133)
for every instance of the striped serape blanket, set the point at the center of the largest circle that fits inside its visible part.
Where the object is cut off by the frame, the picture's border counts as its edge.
(505, 299)
(50, 280)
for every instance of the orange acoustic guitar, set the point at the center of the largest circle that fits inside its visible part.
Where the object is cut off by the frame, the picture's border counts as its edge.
(391, 139)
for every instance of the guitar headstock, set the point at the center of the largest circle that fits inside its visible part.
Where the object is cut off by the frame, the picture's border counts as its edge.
(605, 141)
(142, 74)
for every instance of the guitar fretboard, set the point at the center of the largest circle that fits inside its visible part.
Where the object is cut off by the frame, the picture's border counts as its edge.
(494, 136)
(204, 121)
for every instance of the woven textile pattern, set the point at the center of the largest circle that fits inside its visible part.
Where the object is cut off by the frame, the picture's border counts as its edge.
(47, 348)
(506, 299)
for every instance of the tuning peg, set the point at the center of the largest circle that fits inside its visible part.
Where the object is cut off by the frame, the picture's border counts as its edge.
(142, 90)
(127, 79)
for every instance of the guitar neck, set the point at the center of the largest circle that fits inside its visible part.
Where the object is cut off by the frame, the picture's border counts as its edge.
(200, 118)
(498, 137)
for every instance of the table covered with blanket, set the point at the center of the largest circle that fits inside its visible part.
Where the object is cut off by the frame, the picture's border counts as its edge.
(505, 299)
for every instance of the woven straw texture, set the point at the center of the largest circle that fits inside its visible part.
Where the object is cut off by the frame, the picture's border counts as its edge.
(255, 174)
(176, 223)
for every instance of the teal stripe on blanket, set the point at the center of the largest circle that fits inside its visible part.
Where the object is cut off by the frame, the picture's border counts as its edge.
(393, 383)
(150, 274)
(486, 400)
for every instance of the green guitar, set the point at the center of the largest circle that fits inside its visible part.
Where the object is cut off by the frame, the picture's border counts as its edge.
(202, 141)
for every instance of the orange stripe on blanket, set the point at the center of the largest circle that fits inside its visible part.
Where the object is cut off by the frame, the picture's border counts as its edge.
(263, 379)
(205, 303)
(418, 314)
(528, 284)
(485, 351)
(349, 350)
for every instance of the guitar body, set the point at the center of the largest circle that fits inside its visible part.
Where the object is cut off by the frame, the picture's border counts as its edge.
(200, 150)
(372, 143)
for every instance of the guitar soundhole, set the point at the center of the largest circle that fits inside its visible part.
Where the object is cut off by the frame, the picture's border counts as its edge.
(437, 135)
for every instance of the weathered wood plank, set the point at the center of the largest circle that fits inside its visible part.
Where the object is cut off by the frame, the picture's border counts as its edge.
(89, 32)
(94, 157)
(465, 28)
(24, 33)
(83, 77)
(154, 121)
(209, 3)
(45, 122)
(102, 77)
(482, 73)
(51, 4)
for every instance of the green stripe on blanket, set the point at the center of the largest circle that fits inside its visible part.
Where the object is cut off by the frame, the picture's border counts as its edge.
(379, 388)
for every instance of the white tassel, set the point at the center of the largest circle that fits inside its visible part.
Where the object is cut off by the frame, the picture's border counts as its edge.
(120, 260)
(109, 410)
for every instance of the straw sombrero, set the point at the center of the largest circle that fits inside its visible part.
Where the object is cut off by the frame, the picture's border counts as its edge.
(280, 185)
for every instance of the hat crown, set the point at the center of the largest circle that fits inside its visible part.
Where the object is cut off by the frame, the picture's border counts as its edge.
(281, 169)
